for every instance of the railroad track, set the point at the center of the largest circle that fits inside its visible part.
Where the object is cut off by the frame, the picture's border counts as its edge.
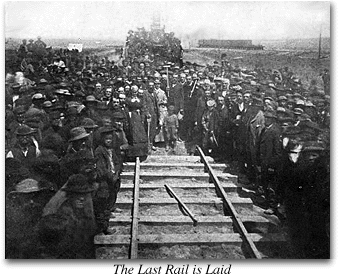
(185, 207)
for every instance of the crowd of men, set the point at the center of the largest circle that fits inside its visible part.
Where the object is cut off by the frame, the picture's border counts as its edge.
(73, 119)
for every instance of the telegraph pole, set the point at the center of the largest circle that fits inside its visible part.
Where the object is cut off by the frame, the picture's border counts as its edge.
(320, 42)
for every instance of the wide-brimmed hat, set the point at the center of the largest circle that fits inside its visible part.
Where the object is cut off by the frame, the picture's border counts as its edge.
(300, 102)
(269, 114)
(78, 183)
(47, 104)
(78, 133)
(282, 98)
(118, 115)
(91, 98)
(28, 185)
(108, 129)
(88, 123)
(79, 93)
(24, 130)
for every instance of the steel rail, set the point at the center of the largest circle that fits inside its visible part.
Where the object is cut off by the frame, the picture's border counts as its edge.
(135, 212)
(186, 210)
(236, 219)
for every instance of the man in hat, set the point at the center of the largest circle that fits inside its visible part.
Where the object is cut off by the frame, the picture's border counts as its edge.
(210, 121)
(253, 123)
(238, 109)
(282, 101)
(306, 198)
(90, 126)
(191, 95)
(176, 95)
(52, 138)
(39, 43)
(151, 112)
(326, 80)
(90, 110)
(24, 207)
(19, 118)
(162, 101)
(109, 167)
(31, 46)
(224, 137)
(200, 108)
(78, 140)
(23, 50)
(67, 227)
(269, 152)
(25, 149)
(119, 120)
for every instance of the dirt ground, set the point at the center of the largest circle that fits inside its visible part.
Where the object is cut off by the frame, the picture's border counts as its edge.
(304, 64)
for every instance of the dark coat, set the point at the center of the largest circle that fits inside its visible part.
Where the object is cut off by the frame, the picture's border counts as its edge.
(103, 164)
(269, 149)
(67, 233)
(25, 160)
(176, 97)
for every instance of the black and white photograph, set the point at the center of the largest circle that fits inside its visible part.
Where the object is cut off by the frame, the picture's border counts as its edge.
(178, 130)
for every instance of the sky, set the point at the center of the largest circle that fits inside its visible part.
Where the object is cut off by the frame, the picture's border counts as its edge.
(187, 19)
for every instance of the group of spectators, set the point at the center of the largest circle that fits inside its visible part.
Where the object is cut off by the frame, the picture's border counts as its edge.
(73, 119)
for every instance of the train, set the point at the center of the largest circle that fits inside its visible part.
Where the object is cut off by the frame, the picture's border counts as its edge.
(229, 44)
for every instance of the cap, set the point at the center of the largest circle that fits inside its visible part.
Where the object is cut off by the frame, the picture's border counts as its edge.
(298, 111)
(38, 96)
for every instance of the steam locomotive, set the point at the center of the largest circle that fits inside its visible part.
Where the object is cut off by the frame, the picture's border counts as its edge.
(229, 44)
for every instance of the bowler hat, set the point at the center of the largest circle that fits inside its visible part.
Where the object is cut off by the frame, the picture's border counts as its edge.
(78, 133)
